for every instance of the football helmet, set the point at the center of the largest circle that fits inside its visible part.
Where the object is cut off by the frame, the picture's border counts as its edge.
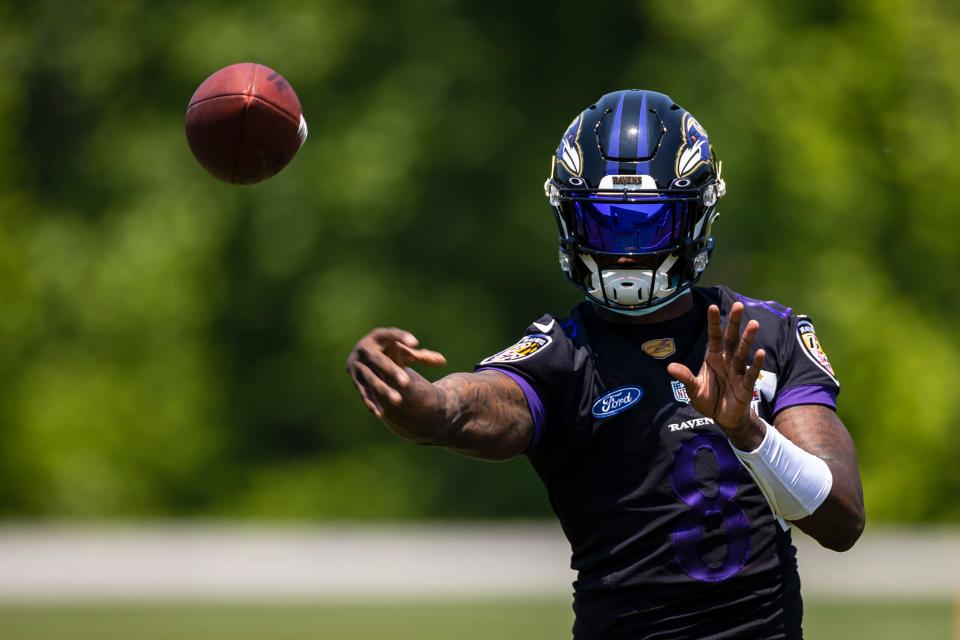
(634, 185)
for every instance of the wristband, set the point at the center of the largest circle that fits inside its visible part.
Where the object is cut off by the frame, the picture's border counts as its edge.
(793, 481)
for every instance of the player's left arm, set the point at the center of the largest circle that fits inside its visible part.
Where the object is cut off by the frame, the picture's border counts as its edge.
(806, 464)
(838, 522)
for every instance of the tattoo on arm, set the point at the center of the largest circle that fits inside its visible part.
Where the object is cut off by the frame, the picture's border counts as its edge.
(819, 430)
(486, 415)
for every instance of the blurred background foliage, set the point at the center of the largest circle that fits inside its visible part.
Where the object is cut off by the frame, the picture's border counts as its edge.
(174, 346)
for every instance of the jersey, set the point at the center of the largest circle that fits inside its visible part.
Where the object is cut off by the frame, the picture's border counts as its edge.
(670, 536)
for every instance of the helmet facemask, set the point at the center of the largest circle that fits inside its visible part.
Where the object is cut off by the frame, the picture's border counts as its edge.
(634, 249)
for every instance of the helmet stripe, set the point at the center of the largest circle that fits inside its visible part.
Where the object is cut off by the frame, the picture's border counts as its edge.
(623, 140)
(642, 134)
(613, 142)
(631, 108)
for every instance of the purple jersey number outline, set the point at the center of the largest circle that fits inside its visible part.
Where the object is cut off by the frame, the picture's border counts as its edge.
(689, 532)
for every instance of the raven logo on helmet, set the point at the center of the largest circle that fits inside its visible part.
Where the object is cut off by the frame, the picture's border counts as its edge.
(695, 149)
(569, 152)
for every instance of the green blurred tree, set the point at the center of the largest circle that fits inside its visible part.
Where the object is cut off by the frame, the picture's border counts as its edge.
(170, 345)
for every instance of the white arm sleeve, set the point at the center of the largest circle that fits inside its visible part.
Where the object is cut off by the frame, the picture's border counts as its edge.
(794, 482)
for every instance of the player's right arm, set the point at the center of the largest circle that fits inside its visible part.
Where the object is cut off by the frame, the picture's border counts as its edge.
(484, 415)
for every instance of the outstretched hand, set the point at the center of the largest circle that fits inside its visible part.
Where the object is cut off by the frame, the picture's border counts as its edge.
(723, 388)
(378, 364)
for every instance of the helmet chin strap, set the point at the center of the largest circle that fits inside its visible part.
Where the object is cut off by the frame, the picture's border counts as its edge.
(648, 310)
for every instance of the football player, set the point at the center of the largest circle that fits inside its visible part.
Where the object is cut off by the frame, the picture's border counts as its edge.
(679, 430)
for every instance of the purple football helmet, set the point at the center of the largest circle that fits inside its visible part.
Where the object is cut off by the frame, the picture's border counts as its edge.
(634, 185)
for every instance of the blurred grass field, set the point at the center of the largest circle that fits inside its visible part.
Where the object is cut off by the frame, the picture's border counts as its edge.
(519, 619)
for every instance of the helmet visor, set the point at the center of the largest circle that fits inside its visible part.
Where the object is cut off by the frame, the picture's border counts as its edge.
(628, 227)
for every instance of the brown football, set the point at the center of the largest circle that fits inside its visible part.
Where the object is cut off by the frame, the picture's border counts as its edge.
(244, 123)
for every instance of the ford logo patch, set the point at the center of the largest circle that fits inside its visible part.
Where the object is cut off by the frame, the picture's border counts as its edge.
(616, 401)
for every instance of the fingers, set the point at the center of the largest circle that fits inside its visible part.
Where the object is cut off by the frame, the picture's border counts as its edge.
(739, 362)
(399, 345)
(753, 373)
(386, 352)
(388, 335)
(377, 367)
(422, 356)
(384, 366)
(377, 390)
(731, 336)
(713, 330)
(735, 348)
(686, 377)
(373, 407)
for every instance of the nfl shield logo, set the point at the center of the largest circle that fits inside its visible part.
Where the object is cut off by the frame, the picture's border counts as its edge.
(680, 391)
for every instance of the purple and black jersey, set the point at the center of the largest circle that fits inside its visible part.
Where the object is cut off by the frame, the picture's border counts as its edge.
(670, 536)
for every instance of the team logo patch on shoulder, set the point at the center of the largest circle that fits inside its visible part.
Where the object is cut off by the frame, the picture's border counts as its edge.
(527, 347)
(811, 347)
(660, 348)
(616, 401)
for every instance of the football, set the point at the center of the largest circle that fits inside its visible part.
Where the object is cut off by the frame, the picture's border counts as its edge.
(244, 123)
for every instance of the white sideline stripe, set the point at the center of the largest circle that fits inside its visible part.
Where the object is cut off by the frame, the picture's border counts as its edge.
(223, 562)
